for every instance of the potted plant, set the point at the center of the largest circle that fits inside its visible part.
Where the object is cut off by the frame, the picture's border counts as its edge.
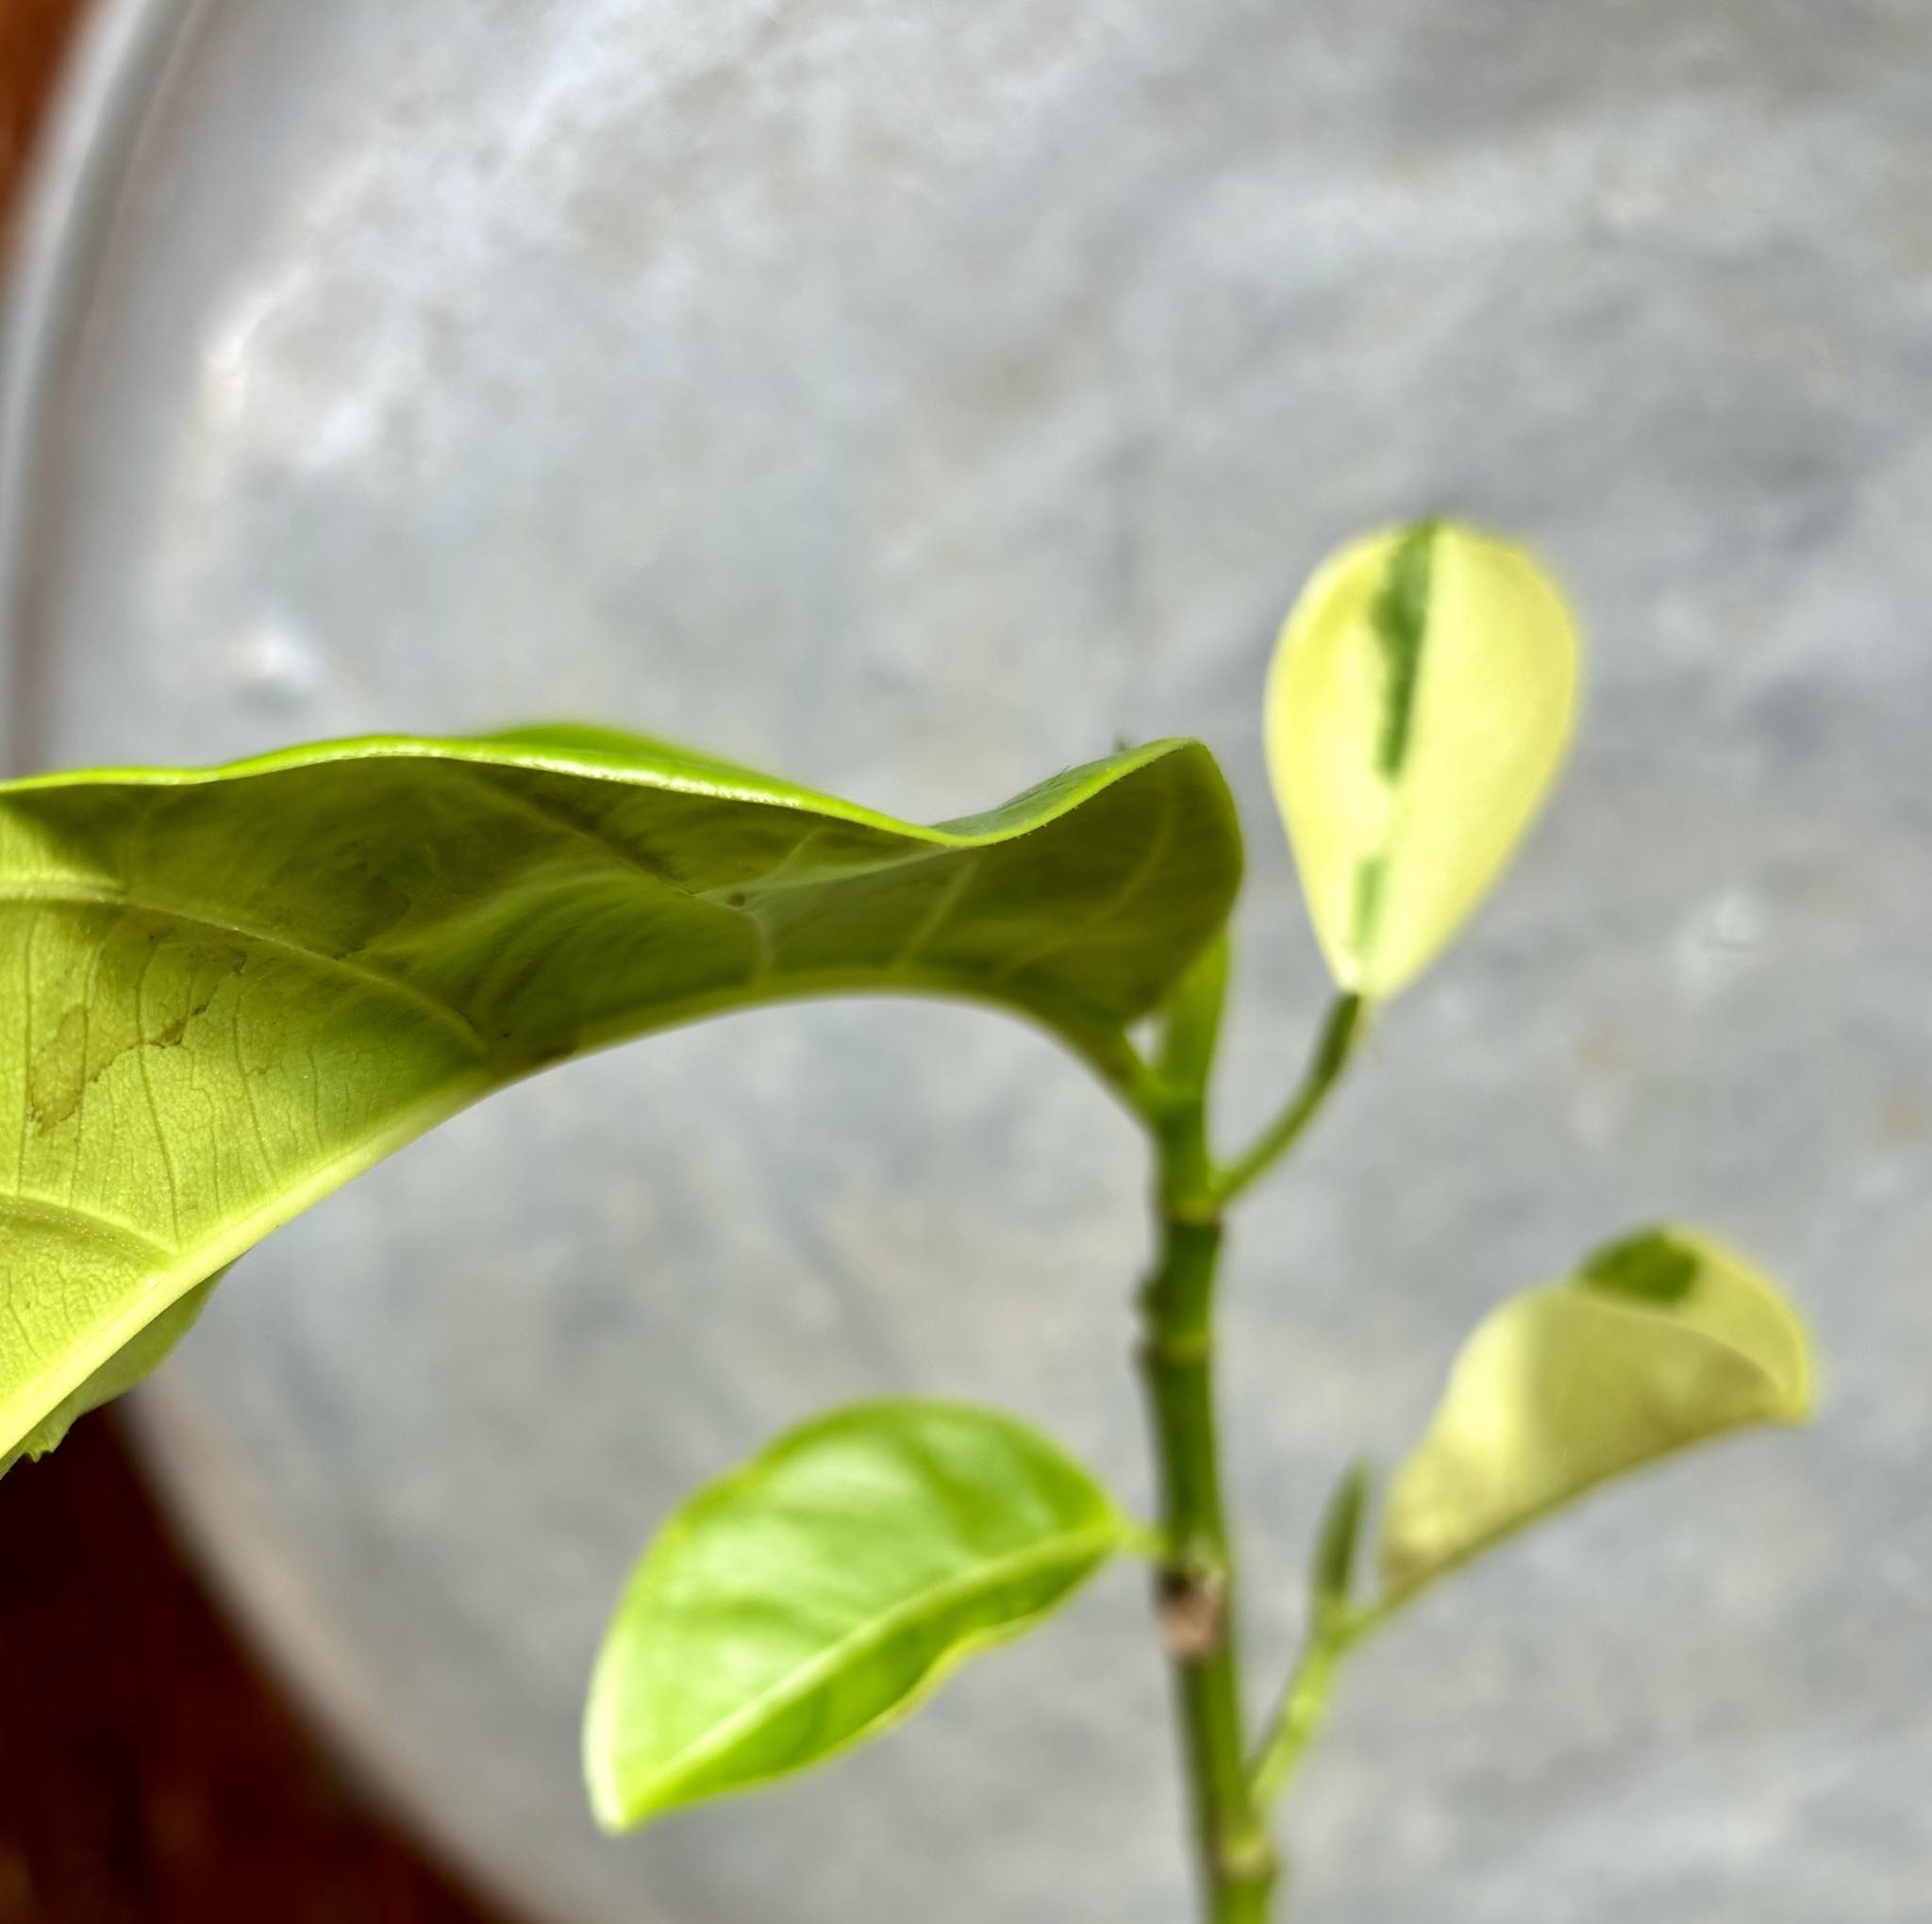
(230, 990)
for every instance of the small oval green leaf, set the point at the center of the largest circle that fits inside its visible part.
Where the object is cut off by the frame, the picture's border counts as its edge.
(814, 1596)
(1422, 694)
(230, 990)
(1659, 1342)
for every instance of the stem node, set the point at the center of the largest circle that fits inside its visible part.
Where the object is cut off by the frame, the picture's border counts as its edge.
(1194, 1581)
(1192, 1608)
(1194, 1584)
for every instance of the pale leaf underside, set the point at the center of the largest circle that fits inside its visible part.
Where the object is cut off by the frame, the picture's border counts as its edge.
(1660, 1341)
(233, 990)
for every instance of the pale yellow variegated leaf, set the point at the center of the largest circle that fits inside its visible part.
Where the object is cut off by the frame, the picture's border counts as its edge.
(1659, 1342)
(1422, 694)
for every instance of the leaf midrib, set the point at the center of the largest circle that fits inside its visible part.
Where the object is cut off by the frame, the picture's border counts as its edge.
(24, 1206)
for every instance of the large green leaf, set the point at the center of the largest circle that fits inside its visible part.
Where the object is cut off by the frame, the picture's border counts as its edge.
(1421, 696)
(814, 1596)
(230, 990)
(1659, 1342)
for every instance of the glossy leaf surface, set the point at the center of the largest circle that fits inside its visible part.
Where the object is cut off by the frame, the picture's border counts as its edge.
(229, 992)
(1659, 1342)
(1421, 697)
(815, 1595)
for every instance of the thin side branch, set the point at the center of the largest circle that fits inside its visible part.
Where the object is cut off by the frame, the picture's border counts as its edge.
(1341, 1033)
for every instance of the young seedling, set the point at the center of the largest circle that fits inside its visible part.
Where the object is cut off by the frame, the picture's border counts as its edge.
(230, 990)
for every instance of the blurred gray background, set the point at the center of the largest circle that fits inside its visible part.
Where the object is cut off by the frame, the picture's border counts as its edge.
(916, 399)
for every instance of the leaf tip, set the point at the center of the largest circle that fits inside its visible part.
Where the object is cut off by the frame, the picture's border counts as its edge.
(620, 1801)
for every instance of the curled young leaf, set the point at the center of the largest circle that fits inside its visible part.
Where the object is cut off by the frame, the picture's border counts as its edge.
(817, 1594)
(1423, 693)
(1659, 1342)
(1331, 1574)
(230, 990)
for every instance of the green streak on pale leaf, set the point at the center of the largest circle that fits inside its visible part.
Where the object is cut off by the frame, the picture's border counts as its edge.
(1659, 1342)
(1401, 620)
(229, 992)
(814, 1596)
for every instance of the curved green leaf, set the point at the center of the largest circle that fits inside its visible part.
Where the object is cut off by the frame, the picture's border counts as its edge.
(1421, 697)
(231, 991)
(1659, 1342)
(816, 1596)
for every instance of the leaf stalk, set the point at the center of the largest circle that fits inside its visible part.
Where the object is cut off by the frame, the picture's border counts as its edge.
(1303, 1710)
(1341, 1035)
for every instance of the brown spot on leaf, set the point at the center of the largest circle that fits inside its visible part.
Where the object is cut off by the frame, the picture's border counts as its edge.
(57, 1076)
(85, 1044)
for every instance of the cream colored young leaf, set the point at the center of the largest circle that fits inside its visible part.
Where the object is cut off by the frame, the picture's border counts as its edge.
(1659, 1342)
(1422, 694)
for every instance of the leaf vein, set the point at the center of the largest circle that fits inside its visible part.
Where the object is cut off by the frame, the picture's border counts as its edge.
(79, 895)
(945, 903)
(1143, 872)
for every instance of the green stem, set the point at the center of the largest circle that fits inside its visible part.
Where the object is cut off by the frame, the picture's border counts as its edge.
(1341, 1033)
(1238, 1866)
(1195, 1581)
(1304, 1707)
(1303, 1711)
